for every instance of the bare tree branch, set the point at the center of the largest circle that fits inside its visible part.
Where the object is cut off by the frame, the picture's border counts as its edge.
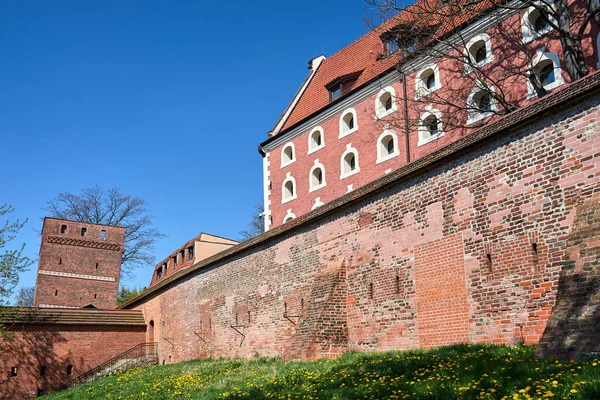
(111, 207)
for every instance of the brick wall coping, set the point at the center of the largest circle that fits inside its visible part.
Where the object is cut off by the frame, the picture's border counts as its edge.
(503, 125)
(35, 315)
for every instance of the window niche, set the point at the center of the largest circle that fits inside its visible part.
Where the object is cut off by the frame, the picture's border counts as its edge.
(349, 162)
(430, 127)
(288, 154)
(316, 177)
(387, 146)
(385, 102)
(478, 52)
(316, 140)
(348, 122)
(427, 81)
(288, 189)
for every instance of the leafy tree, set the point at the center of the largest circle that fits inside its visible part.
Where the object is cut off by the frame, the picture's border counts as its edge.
(256, 225)
(26, 296)
(12, 261)
(128, 293)
(112, 207)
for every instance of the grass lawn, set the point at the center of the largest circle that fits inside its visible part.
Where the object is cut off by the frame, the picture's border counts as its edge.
(454, 372)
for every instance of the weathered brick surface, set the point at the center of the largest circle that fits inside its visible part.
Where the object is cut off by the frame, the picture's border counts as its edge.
(56, 347)
(89, 255)
(467, 249)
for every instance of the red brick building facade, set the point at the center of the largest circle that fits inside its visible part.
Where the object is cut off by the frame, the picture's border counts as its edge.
(79, 265)
(51, 347)
(493, 238)
(313, 157)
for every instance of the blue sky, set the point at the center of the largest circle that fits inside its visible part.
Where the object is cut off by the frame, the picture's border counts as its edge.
(165, 99)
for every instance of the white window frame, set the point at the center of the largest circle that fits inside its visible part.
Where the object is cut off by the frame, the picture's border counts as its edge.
(421, 85)
(422, 129)
(474, 116)
(349, 149)
(384, 157)
(289, 216)
(288, 178)
(542, 55)
(284, 162)
(344, 133)
(489, 56)
(529, 33)
(310, 174)
(380, 111)
(311, 148)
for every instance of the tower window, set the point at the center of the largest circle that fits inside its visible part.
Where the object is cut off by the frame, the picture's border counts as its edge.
(83, 231)
(55, 293)
(60, 261)
(69, 370)
(103, 234)
(63, 229)
(430, 127)
(43, 370)
(385, 102)
(428, 80)
(317, 177)
(14, 371)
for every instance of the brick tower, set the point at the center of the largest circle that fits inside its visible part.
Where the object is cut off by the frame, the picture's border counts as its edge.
(79, 265)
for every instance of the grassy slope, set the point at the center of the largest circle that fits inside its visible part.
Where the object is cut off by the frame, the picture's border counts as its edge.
(454, 372)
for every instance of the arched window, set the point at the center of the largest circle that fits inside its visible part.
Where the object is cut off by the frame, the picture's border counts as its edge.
(316, 140)
(547, 70)
(385, 102)
(430, 127)
(349, 162)
(387, 146)
(478, 52)
(480, 104)
(316, 177)
(288, 189)
(348, 122)
(428, 80)
(288, 154)
(536, 23)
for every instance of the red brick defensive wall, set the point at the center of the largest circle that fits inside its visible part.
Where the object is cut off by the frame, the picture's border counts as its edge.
(494, 238)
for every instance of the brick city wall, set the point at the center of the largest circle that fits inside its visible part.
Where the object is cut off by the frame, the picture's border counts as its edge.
(78, 268)
(473, 243)
(56, 347)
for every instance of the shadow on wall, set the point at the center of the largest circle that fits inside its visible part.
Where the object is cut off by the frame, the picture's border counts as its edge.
(575, 322)
(31, 349)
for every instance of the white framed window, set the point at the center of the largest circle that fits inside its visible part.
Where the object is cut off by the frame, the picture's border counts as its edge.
(289, 216)
(428, 80)
(534, 23)
(430, 126)
(387, 146)
(546, 66)
(316, 140)
(288, 189)
(478, 51)
(480, 104)
(349, 162)
(288, 154)
(348, 122)
(316, 177)
(385, 102)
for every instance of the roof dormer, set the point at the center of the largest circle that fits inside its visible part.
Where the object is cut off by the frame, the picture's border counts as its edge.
(342, 85)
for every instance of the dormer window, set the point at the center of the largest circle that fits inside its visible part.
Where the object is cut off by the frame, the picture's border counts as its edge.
(391, 46)
(335, 92)
(342, 85)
